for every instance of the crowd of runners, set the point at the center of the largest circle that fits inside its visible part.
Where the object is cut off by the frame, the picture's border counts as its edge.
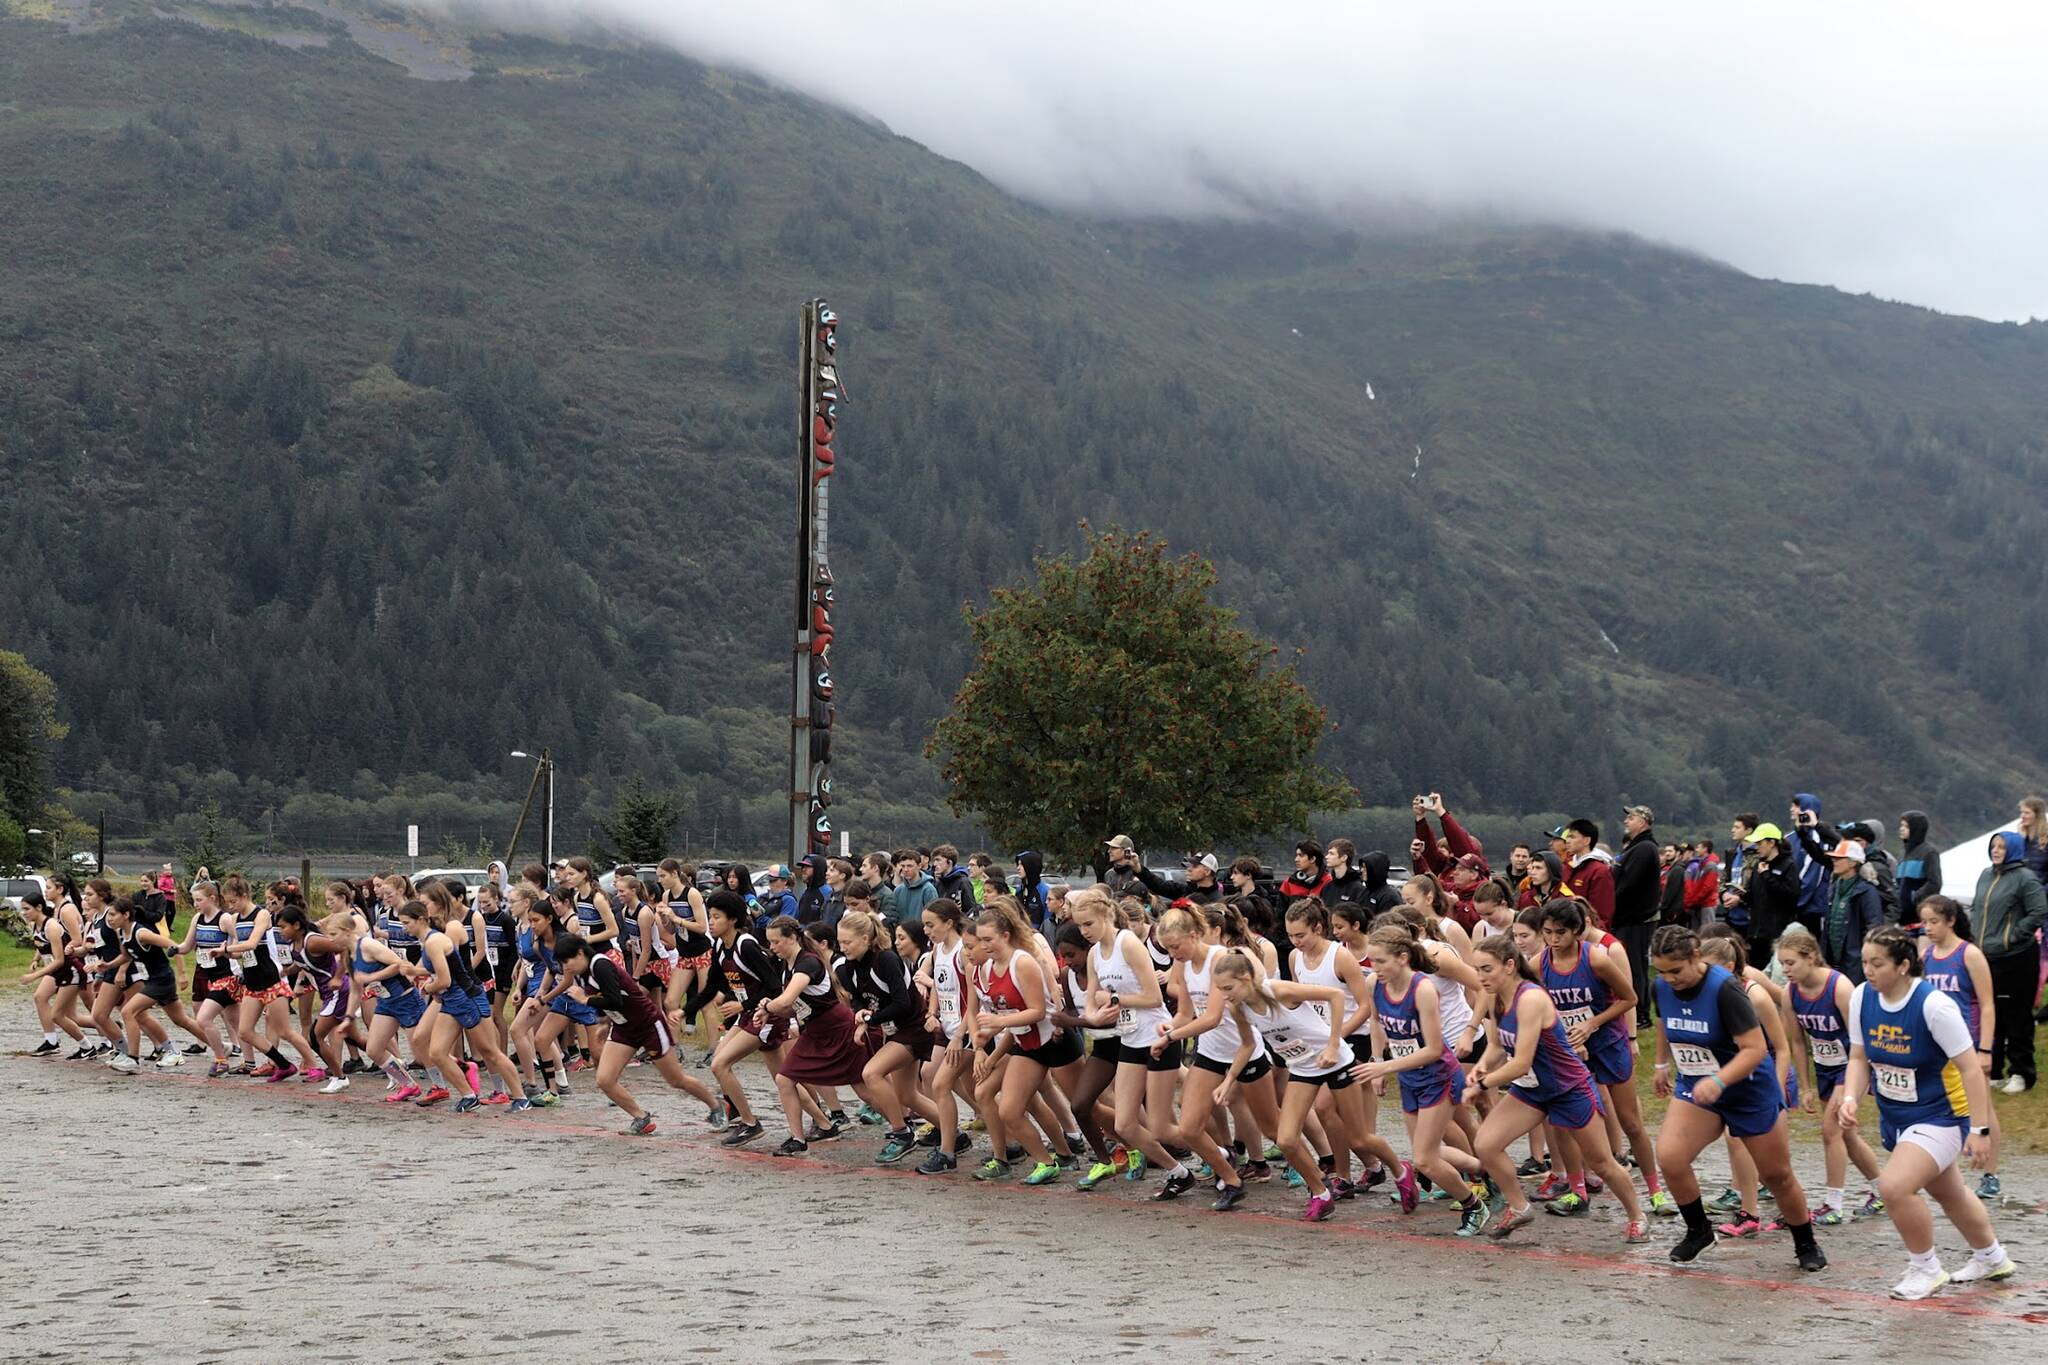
(1203, 1035)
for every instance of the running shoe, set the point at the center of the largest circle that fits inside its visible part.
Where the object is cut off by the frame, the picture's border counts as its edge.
(1273, 1152)
(402, 1094)
(867, 1115)
(497, 1097)
(704, 1060)
(1570, 1204)
(1532, 1167)
(1099, 1172)
(1490, 1195)
(739, 1134)
(641, 1127)
(434, 1096)
(48, 1048)
(123, 1063)
(898, 1146)
(1069, 1161)
(2012, 1085)
(264, 1072)
(283, 1073)
(335, 1086)
(318, 1073)
(84, 1051)
(1173, 1187)
(576, 1064)
(937, 1163)
(1553, 1185)
(1134, 1165)
(816, 1134)
(717, 1118)
(1744, 1224)
(927, 1135)
(1044, 1173)
(1294, 1180)
(1987, 1188)
(1727, 1201)
(1919, 1283)
(1405, 1190)
(1775, 1224)
(1663, 1205)
(838, 1118)
(1472, 1219)
(1695, 1241)
(468, 1104)
(1810, 1257)
(1511, 1219)
(216, 1071)
(547, 1099)
(1228, 1198)
(1870, 1208)
(1594, 1184)
(171, 1057)
(1318, 1208)
(1828, 1216)
(1637, 1231)
(976, 1125)
(963, 1143)
(194, 1049)
(1340, 1188)
(1377, 1176)
(519, 1106)
(1013, 1152)
(1977, 1268)
(995, 1168)
(793, 1147)
(563, 1090)
(1255, 1172)
(1204, 1171)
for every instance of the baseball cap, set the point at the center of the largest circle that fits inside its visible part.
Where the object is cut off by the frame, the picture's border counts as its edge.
(1207, 860)
(1122, 841)
(1767, 830)
(1849, 849)
(1472, 862)
(1557, 833)
(778, 873)
(1644, 813)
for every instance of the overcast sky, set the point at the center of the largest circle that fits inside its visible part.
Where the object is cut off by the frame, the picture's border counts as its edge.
(1873, 146)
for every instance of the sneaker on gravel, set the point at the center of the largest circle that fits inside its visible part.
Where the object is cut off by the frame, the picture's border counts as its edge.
(1044, 1173)
(1099, 1172)
(1510, 1220)
(1828, 1216)
(1174, 1186)
(1638, 1231)
(434, 1096)
(169, 1058)
(283, 1073)
(402, 1094)
(816, 1134)
(1228, 1198)
(123, 1063)
(468, 1104)
(547, 1099)
(793, 1147)
(995, 1168)
(1727, 1201)
(335, 1086)
(899, 1145)
(1741, 1225)
(937, 1163)
(1531, 1167)
(519, 1106)
(1318, 1208)
(1663, 1205)
(1977, 1268)
(1405, 1189)
(1472, 1220)
(1570, 1204)
(318, 1073)
(497, 1097)
(740, 1133)
(1987, 1188)
(1918, 1283)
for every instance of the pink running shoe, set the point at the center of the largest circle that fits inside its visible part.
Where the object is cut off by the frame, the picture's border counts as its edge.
(1318, 1208)
(318, 1073)
(1405, 1187)
(283, 1073)
(402, 1094)
(500, 1097)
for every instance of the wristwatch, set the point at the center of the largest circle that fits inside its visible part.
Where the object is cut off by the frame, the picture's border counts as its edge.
(1980, 1132)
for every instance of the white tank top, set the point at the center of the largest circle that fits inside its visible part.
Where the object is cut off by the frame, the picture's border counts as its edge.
(1323, 973)
(1219, 1044)
(946, 986)
(1298, 1036)
(1454, 1011)
(1077, 998)
(1137, 1027)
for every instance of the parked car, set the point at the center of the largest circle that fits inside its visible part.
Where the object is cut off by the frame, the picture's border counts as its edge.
(711, 873)
(12, 889)
(86, 862)
(470, 877)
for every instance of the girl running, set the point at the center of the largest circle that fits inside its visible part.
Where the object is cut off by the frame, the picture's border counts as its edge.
(464, 1012)
(1092, 1074)
(1959, 970)
(688, 921)
(828, 1051)
(1817, 1010)
(53, 975)
(947, 1074)
(1316, 960)
(1123, 991)
(315, 954)
(257, 956)
(150, 949)
(1540, 1079)
(638, 1025)
(596, 923)
(1203, 1017)
(750, 977)
(1707, 1030)
(889, 1012)
(1019, 1004)
(381, 975)
(1909, 1042)
(537, 1064)
(1727, 950)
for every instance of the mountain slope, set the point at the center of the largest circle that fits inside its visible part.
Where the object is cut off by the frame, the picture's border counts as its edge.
(373, 426)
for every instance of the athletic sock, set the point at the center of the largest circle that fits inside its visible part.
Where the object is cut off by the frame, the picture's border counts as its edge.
(395, 1069)
(50, 1037)
(434, 1077)
(1695, 1214)
(1802, 1235)
(1837, 1198)
(1991, 1255)
(1925, 1261)
(1579, 1186)
(1180, 1169)
(276, 1057)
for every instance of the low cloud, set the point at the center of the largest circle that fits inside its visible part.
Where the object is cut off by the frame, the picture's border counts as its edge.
(1870, 146)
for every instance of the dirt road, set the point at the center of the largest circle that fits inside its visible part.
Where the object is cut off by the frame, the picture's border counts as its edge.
(168, 1218)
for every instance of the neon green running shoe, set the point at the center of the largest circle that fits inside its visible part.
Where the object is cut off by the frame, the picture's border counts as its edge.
(1044, 1173)
(1099, 1172)
(1663, 1205)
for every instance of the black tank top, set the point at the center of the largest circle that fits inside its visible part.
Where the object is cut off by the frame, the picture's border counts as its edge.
(459, 974)
(150, 961)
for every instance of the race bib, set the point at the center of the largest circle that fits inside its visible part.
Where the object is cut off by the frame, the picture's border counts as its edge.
(888, 1030)
(1572, 1018)
(1829, 1051)
(375, 990)
(1322, 1009)
(949, 1013)
(615, 1016)
(1896, 1082)
(205, 959)
(802, 1013)
(1402, 1047)
(1126, 1020)
(1292, 1050)
(1527, 1080)
(1693, 1060)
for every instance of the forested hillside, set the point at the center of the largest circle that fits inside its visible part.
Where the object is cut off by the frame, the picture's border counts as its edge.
(356, 429)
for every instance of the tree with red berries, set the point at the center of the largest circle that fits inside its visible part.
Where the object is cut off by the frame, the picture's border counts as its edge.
(1112, 696)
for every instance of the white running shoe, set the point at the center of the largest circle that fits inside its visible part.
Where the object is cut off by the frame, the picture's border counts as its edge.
(1977, 1268)
(1919, 1283)
(169, 1058)
(121, 1061)
(2011, 1085)
(335, 1086)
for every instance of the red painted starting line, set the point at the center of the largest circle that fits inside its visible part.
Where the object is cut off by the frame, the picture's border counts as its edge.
(541, 1119)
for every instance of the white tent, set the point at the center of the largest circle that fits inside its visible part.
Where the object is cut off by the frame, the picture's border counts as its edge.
(1962, 865)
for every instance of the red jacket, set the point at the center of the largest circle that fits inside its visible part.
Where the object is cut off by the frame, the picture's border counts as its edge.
(1440, 858)
(1593, 881)
(1294, 889)
(1703, 887)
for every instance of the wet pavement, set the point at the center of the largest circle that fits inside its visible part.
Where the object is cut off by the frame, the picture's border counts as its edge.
(168, 1218)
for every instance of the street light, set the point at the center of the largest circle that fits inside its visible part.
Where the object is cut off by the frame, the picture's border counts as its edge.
(53, 845)
(545, 771)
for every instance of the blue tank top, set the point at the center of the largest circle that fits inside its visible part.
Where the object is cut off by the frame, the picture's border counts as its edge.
(1557, 1071)
(1913, 1079)
(1402, 1023)
(1827, 1032)
(1579, 994)
(398, 937)
(1701, 1045)
(588, 920)
(1951, 976)
(395, 987)
(209, 938)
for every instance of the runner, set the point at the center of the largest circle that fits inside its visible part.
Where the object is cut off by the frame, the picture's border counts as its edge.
(690, 971)
(257, 956)
(1019, 1002)
(537, 1064)
(155, 986)
(52, 974)
(1316, 960)
(637, 1026)
(1123, 991)
(382, 976)
(1708, 1030)
(1817, 1009)
(828, 1051)
(1912, 1041)
(596, 922)
(1203, 1016)
(450, 951)
(1959, 970)
(946, 1076)
(750, 976)
(314, 952)
(1540, 1079)
(890, 1014)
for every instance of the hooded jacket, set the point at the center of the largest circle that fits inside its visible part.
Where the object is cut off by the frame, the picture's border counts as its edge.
(1559, 888)
(1377, 893)
(2010, 905)
(1635, 882)
(1810, 845)
(811, 904)
(1919, 867)
(1031, 888)
(908, 899)
(1854, 909)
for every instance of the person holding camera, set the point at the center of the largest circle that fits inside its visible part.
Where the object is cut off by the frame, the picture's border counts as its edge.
(1767, 895)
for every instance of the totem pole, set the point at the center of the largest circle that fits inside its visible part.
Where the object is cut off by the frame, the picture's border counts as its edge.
(811, 709)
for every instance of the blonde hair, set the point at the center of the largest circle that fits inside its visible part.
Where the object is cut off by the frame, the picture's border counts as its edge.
(1235, 962)
(864, 923)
